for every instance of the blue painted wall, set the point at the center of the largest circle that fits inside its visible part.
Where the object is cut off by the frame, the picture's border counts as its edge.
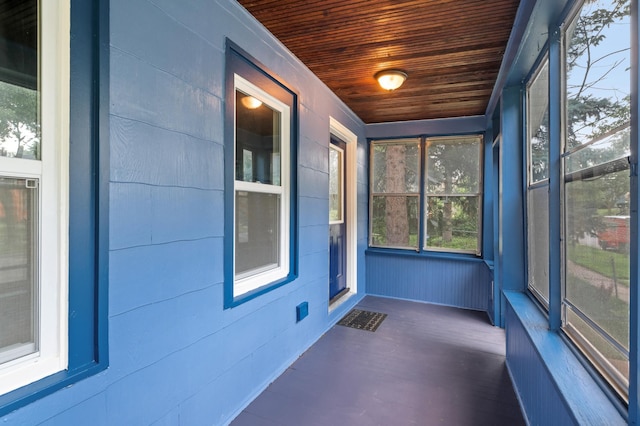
(176, 356)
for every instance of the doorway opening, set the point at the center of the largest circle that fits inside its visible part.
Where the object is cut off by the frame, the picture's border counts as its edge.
(342, 214)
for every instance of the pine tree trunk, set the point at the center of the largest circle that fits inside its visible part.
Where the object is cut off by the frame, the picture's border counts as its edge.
(396, 217)
(447, 232)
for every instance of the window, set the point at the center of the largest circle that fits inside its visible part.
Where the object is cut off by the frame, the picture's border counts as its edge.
(53, 196)
(395, 193)
(538, 182)
(597, 186)
(336, 184)
(33, 220)
(451, 185)
(260, 153)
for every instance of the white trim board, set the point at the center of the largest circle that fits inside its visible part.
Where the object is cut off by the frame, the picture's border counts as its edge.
(351, 140)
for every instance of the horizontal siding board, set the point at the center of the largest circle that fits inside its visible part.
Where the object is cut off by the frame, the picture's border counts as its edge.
(93, 408)
(148, 94)
(151, 274)
(187, 64)
(152, 155)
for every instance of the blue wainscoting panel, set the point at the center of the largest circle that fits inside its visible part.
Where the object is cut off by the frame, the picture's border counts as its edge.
(553, 385)
(462, 282)
(540, 399)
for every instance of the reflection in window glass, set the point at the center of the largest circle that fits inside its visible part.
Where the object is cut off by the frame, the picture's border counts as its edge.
(335, 184)
(19, 197)
(19, 96)
(257, 142)
(19, 122)
(612, 146)
(18, 267)
(247, 165)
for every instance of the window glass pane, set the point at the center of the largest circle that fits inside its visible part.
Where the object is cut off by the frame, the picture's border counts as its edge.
(453, 166)
(262, 196)
(335, 184)
(614, 145)
(597, 184)
(19, 96)
(258, 140)
(395, 221)
(18, 267)
(597, 251)
(598, 71)
(396, 168)
(257, 232)
(538, 239)
(538, 125)
(615, 359)
(452, 223)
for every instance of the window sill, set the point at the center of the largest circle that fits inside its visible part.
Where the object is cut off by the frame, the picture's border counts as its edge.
(232, 301)
(424, 254)
(585, 399)
(30, 393)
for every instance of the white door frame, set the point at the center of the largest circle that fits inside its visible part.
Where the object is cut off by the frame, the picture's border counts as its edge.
(351, 187)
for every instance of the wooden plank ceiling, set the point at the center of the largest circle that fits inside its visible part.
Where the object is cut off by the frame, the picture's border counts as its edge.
(451, 50)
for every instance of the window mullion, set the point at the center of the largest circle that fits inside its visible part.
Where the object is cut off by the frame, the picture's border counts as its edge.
(557, 104)
(259, 187)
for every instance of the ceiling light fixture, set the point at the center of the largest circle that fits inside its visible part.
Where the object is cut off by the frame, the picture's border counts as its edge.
(250, 102)
(390, 79)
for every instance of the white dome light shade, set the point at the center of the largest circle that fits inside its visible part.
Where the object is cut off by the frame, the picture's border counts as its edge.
(391, 79)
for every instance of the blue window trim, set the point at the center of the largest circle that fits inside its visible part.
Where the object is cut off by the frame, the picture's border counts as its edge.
(556, 113)
(240, 62)
(88, 205)
(426, 254)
